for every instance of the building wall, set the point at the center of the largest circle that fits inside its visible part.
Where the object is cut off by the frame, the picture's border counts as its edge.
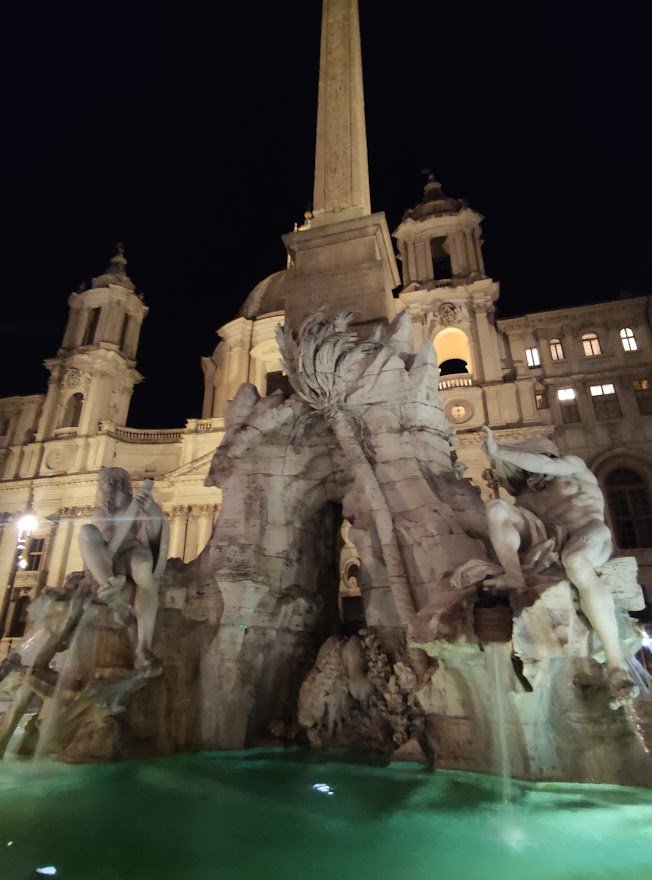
(511, 382)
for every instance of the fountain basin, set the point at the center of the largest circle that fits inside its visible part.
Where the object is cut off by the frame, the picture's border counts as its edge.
(291, 813)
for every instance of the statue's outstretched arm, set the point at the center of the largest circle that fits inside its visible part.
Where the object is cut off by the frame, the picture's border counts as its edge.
(536, 463)
(532, 462)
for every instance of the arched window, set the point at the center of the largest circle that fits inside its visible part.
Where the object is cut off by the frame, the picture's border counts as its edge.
(453, 351)
(629, 504)
(591, 344)
(628, 339)
(556, 350)
(73, 410)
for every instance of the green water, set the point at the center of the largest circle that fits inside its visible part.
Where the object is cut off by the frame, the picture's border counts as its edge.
(256, 815)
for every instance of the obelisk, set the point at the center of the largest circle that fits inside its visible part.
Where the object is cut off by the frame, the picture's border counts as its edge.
(345, 259)
(341, 167)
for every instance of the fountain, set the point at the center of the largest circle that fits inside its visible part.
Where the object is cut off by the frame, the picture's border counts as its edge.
(454, 665)
(495, 639)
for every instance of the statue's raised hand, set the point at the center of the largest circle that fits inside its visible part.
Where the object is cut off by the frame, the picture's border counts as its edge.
(489, 443)
(144, 500)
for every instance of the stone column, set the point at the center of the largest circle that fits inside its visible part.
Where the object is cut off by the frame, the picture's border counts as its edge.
(60, 551)
(205, 525)
(192, 534)
(178, 517)
(478, 251)
(458, 255)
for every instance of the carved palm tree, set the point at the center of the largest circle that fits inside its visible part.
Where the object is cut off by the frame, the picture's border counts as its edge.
(322, 365)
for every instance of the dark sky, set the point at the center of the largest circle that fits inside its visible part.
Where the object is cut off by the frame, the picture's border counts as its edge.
(188, 132)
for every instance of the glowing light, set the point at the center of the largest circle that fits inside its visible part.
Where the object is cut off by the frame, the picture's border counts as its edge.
(646, 639)
(48, 870)
(322, 788)
(22, 563)
(27, 523)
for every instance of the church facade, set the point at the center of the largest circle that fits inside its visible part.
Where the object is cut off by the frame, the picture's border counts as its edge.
(580, 375)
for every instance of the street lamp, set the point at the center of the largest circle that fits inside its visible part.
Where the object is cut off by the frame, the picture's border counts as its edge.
(26, 524)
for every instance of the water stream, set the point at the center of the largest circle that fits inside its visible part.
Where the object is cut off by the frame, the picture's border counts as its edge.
(498, 668)
(51, 714)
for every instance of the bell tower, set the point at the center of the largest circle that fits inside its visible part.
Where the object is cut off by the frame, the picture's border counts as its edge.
(94, 372)
(439, 240)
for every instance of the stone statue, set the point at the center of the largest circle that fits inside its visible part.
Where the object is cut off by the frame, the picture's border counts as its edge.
(559, 509)
(127, 539)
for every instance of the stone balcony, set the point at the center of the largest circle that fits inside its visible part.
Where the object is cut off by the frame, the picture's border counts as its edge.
(455, 380)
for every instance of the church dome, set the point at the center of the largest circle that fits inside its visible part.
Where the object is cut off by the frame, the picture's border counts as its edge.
(434, 202)
(267, 297)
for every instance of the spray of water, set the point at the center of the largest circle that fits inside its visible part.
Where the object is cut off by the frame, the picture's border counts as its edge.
(498, 665)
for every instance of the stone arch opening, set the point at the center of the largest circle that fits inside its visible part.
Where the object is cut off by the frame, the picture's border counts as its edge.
(453, 351)
(72, 412)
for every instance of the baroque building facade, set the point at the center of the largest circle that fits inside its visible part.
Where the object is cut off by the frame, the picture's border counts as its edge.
(580, 375)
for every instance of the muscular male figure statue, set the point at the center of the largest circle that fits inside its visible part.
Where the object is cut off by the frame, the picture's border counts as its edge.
(558, 496)
(124, 539)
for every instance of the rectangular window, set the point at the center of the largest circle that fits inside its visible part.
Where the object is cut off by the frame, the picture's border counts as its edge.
(532, 357)
(568, 405)
(441, 261)
(34, 554)
(91, 326)
(19, 618)
(541, 400)
(643, 394)
(605, 401)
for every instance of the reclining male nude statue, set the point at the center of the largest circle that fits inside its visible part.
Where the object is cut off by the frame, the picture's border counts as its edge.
(127, 538)
(557, 499)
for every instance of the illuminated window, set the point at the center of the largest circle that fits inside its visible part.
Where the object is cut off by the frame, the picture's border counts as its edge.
(541, 400)
(91, 326)
(532, 357)
(629, 504)
(605, 401)
(556, 350)
(591, 344)
(643, 394)
(628, 339)
(568, 405)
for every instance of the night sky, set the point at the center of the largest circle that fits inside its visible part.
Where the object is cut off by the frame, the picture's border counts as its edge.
(188, 133)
